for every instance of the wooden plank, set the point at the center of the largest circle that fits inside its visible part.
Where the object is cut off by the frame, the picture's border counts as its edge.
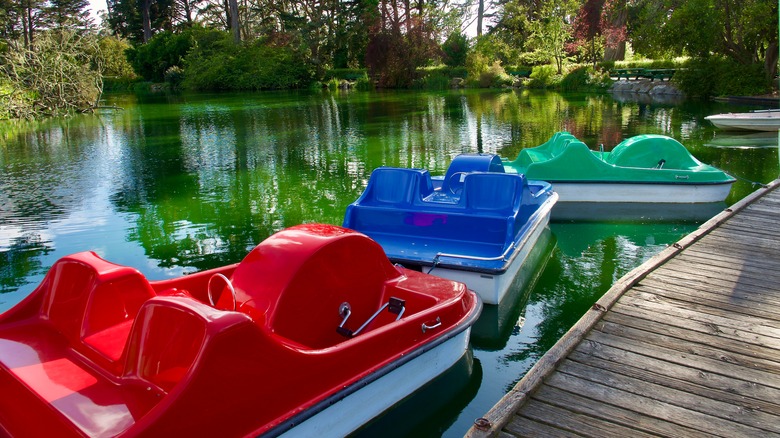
(591, 408)
(650, 406)
(747, 258)
(722, 413)
(697, 312)
(651, 369)
(526, 427)
(573, 422)
(757, 242)
(694, 356)
(740, 286)
(706, 298)
(688, 287)
(718, 280)
(681, 329)
(729, 239)
(701, 327)
(746, 262)
(760, 223)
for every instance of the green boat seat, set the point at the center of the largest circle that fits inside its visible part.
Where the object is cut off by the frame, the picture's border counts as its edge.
(652, 151)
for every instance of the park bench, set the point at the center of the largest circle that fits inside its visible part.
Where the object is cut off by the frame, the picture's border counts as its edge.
(658, 73)
(647, 73)
(628, 73)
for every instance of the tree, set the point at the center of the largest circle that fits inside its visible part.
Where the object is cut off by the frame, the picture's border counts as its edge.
(550, 31)
(455, 50)
(139, 20)
(599, 30)
(69, 12)
(742, 30)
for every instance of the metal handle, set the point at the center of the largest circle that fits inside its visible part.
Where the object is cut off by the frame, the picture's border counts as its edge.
(229, 285)
(431, 327)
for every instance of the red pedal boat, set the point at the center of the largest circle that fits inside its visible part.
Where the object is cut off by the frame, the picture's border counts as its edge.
(315, 332)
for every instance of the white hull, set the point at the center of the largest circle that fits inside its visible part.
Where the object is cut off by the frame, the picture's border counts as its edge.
(757, 121)
(358, 408)
(644, 193)
(492, 288)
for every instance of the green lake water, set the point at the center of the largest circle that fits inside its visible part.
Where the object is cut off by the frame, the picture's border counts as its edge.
(173, 184)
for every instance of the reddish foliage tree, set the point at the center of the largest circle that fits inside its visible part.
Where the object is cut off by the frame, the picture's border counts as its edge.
(392, 57)
(605, 18)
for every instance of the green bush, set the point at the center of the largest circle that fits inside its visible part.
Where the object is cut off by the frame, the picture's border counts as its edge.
(544, 76)
(455, 50)
(476, 64)
(585, 78)
(332, 84)
(56, 75)
(495, 76)
(220, 64)
(163, 51)
(174, 76)
(119, 84)
(364, 84)
(113, 59)
(721, 77)
(434, 80)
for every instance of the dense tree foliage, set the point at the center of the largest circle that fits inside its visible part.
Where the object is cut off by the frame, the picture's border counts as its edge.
(184, 40)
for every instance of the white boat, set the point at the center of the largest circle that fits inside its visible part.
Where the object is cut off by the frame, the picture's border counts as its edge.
(767, 120)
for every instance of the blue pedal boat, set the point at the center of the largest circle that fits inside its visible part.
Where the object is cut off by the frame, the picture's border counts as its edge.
(475, 225)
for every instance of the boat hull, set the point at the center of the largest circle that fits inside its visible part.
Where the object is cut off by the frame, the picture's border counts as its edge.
(492, 288)
(761, 121)
(399, 381)
(586, 191)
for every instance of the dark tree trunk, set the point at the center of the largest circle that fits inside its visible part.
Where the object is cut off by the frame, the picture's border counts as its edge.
(146, 5)
(234, 27)
(480, 14)
(770, 61)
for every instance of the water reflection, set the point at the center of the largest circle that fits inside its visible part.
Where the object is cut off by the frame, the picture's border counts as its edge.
(743, 140)
(179, 183)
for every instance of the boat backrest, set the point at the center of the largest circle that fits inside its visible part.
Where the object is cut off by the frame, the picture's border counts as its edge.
(652, 151)
(497, 193)
(396, 186)
(466, 163)
(546, 151)
(353, 270)
(169, 336)
(93, 303)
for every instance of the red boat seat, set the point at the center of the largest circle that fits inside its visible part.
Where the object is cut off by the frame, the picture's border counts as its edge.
(93, 303)
(294, 283)
(168, 337)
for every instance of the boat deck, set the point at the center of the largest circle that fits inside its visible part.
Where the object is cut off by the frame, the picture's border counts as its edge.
(688, 344)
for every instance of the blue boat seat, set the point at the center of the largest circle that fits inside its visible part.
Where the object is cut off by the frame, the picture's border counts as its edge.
(466, 163)
(499, 193)
(486, 213)
(396, 186)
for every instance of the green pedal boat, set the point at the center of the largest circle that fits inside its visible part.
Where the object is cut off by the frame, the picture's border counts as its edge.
(650, 169)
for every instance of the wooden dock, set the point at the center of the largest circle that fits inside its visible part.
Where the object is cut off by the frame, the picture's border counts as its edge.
(688, 344)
